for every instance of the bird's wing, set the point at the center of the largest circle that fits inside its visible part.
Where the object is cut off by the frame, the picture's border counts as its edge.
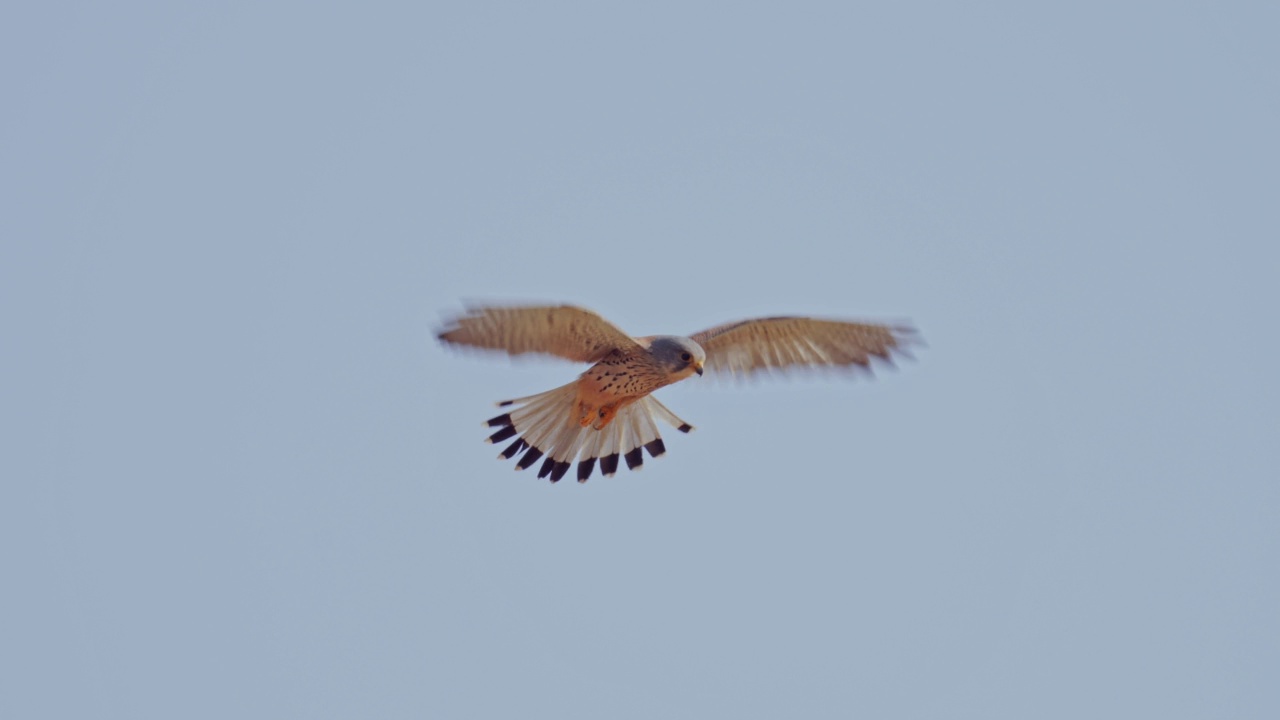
(748, 346)
(565, 331)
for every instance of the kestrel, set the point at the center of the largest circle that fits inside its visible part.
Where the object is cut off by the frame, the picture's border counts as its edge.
(609, 411)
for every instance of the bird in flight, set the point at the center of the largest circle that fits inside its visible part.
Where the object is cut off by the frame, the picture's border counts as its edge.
(609, 412)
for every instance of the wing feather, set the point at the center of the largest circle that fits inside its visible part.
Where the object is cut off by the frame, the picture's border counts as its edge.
(748, 346)
(565, 331)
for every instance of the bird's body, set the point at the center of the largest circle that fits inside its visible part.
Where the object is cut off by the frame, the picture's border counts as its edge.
(609, 411)
(612, 384)
(622, 378)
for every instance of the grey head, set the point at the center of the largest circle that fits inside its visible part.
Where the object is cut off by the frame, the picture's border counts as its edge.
(679, 356)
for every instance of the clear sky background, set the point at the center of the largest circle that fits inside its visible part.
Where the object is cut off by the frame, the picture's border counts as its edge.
(242, 480)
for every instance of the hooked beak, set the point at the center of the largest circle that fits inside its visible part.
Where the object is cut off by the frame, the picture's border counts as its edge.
(698, 369)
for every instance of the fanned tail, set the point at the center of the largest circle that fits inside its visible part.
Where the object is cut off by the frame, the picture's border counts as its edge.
(545, 429)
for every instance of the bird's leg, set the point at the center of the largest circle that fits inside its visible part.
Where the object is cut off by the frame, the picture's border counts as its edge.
(596, 416)
(605, 415)
(599, 400)
(586, 413)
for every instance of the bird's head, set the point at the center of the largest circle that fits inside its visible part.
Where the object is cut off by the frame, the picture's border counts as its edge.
(679, 356)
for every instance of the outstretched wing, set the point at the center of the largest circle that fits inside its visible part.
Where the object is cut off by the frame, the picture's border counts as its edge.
(565, 331)
(748, 346)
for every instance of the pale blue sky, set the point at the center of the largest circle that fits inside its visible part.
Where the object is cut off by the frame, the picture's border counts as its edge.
(242, 480)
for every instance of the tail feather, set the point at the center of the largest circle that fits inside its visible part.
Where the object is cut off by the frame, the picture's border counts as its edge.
(607, 444)
(547, 430)
(651, 435)
(595, 446)
(667, 416)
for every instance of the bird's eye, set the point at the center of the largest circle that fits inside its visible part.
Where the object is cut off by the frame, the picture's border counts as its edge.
(685, 357)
